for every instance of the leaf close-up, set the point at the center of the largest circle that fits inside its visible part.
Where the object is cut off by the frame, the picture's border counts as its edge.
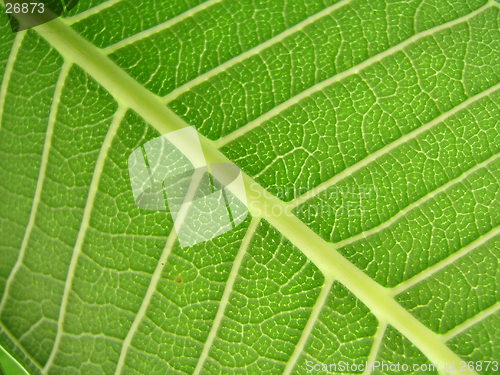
(367, 134)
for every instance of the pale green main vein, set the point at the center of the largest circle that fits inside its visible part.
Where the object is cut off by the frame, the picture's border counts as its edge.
(130, 93)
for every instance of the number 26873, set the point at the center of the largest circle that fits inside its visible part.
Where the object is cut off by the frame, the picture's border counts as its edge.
(24, 8)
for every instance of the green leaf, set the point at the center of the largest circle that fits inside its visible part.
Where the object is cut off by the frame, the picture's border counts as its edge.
(8, 365)
(368, 135)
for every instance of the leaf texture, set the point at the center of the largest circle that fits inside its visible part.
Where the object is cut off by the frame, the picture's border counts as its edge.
(368, 134)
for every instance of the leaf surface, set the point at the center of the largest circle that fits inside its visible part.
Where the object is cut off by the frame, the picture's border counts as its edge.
(368, 135)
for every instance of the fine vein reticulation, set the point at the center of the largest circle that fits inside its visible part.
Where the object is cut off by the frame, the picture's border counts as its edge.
(130, 96)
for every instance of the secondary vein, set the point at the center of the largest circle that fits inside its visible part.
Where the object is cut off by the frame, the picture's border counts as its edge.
(40, 181)
(89, 204)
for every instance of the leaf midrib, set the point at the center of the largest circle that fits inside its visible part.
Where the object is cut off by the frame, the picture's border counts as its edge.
(131, 94)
